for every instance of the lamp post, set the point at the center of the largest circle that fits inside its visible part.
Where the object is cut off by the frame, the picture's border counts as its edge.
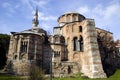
(51, 65)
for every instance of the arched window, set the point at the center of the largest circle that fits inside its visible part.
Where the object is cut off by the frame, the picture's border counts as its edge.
(75, 44)
(62, 39)
(81, 44)
(56, 39)
(15, 57)
(69, 69)
(80, 28)
(68, 18)
(56, 54)
(74, 18)
(79, 18)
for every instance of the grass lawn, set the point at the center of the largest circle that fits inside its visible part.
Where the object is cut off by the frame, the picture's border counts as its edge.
(4, 77)
(116, 76)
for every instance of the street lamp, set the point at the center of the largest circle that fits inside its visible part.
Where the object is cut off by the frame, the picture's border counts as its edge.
(51, 52)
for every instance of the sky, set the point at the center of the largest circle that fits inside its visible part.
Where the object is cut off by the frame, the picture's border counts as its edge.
(17, 15)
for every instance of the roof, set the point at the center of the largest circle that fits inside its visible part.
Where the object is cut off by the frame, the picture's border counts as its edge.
(37, 31)
(104, 30)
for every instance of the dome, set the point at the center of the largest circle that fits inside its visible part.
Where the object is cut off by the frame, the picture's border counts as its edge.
(37, 31)
(73, 12)
(70, 17)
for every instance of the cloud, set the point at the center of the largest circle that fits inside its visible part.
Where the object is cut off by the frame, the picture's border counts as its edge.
(106, 16)
(108, 11)
(44, 17)
(5, 28)
(112, 10)
(6, 4)
(10, 8)
(83, 9)
(27, 3)
(101, 12)
(48, 18)
(32, 4)
(39, 3)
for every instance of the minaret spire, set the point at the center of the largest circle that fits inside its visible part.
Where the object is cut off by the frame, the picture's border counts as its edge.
(35, 21)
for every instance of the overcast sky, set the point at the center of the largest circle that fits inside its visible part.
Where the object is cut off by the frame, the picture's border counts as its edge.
(17, 15)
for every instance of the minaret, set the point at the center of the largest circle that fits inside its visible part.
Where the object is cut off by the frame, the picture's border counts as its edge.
(35, 21)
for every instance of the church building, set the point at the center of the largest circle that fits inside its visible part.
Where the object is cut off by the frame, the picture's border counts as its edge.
(73, 46)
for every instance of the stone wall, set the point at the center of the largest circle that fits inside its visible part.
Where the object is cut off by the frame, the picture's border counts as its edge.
(64, 69)
(92, 62)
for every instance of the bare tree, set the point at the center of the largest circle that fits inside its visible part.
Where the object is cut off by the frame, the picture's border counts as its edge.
(108, 51)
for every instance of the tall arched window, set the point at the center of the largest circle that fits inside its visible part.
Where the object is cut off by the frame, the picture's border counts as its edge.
(81, 44)
(24, 46)
(80, 28)
(75, 44)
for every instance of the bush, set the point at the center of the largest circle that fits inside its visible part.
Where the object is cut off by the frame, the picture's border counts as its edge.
(36, 73)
